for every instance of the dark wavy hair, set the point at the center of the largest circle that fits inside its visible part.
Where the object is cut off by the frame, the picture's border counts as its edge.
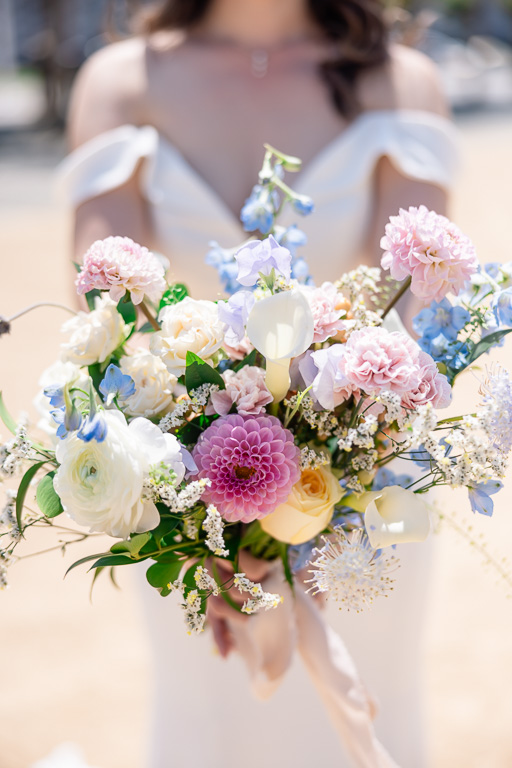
(356, 29)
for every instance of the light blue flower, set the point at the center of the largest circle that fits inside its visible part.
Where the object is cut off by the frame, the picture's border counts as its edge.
(223, 259)
(93, 427)
(56, 395)
(480, 496)
(303, 205)
(290, 237)
(300, 555)
(234, 314)
(116, 384)
(501, 304)
(262, 256)
(259, 210)
(58, 416)
(300, 272)
(441, 317)
(386, 477)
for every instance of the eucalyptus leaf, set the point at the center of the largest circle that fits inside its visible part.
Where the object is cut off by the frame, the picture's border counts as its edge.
(47, 497)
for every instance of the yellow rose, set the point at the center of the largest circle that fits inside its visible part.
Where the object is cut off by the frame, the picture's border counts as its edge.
(308, 509)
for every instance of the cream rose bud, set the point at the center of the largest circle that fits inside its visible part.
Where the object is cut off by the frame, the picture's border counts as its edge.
(154, 385)
(101, 484)
(192, 325)
(308, 509)
(93, 336)
(394, 515)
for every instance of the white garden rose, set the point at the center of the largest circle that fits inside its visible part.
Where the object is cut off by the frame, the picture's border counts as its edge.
(154, 384)
(101, 484)
(93, 336)
(190, 326)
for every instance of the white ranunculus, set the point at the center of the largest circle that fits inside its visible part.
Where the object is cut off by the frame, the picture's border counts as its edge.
(59, 374)
(192, 325)
(154, 384)
(101, 484)
(93, 336)
(280, 327)
(394, 515)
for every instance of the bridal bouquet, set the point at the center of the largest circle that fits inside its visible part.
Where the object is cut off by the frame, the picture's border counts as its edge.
(275, 423)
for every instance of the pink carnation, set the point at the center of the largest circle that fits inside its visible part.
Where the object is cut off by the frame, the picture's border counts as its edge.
(245, 389)
(430, 249)
(327, 314)
(375, 360)
(251, 462)
(433, 386)
(117, 265)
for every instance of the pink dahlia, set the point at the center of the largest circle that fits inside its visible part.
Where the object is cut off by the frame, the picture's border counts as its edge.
(251, 462)
(375, 360)
(430, 249)
(117, 265)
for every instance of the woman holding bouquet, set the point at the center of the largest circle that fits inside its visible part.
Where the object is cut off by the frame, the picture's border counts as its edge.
(167, 130)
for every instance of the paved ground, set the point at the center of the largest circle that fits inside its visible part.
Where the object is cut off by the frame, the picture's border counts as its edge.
(78, 671)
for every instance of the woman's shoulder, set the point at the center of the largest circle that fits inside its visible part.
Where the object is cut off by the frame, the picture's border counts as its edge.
(408, 80)
(109, 91)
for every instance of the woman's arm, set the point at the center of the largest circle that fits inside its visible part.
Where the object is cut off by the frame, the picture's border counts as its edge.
(109, 92)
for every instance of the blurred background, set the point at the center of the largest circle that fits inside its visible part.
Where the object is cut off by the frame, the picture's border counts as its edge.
(76, 670)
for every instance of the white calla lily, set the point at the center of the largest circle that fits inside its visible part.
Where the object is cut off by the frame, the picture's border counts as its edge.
(280, 327)
(394, 515)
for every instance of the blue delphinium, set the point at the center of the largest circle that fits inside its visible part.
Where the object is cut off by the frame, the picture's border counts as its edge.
(64, 427)
(259, 209)
(223, 259)
(303, 205)
(441, 318)
(93, 427)
(501, 304)
(386, 477)
(55, 393)
(116, 384)
(480, 496)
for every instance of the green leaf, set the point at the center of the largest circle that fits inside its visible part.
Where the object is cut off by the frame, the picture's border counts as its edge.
(199, 372)
(485, 344)
(6, 417)
(160, 575)
(85, 560)
(90, 297)
(126, 308)
(23, 488)
(166, 526)
(109, 560)
(145, 328)
(132, 546)
(47, 498)
(96, 374)
(286, 565)
(250, 359)
(175, 293)
(96, 574)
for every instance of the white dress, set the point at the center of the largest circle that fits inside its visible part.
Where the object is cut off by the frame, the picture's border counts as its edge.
(205, 714)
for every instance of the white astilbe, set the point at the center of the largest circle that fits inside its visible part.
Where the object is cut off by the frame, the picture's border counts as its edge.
(358, 281)
(392, 403)
(15, 452)
(205, 581)
(194, 619)
(5, 560)
(195, 403)
(325, 422)
(496, 411)
(190, 528)
(180, 501)
(351, 571)
(310, 459)
(8, 516)
(214, 528)
(258, 599)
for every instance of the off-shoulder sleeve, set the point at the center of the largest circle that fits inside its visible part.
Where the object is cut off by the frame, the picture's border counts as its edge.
(104, 163)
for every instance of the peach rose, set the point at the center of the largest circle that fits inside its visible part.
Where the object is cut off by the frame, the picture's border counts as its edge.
(308, 509)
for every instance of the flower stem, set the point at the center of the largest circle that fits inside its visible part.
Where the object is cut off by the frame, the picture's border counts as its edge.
(147, 314)
(398, 295)
(40, 304)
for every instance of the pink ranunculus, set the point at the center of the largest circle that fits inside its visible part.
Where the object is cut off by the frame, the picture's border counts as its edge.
(117, 265)
(375, 360)
(245, 389)
(328, 315)
(430, 249)
(433, 386)
(251, 462)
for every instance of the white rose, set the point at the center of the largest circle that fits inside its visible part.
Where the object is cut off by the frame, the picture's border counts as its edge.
(154, 384)
(59, 374)
(191, 326)
(101, 484)
(93, 335)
